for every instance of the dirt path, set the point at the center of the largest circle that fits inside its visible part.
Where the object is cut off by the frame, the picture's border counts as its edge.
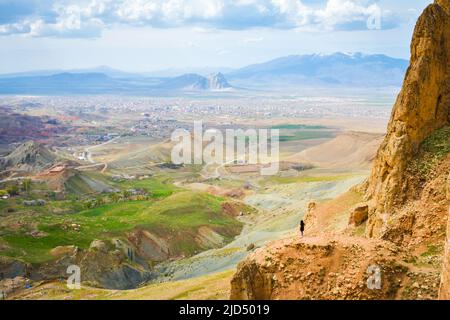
(91, 160)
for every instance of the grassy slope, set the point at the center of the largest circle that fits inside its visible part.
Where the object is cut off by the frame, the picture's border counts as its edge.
(432, 151)
(158, 187)
(172, 211)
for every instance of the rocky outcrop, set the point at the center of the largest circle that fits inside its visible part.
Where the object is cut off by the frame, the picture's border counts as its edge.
(109, 267)
(407, 187)
(106, 264)
(218, 81)
(359, 215)
(150, 246)
(422, 107)
(335, 267)
(10, 268)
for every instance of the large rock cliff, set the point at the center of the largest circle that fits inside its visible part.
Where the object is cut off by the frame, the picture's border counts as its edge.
(422, 107)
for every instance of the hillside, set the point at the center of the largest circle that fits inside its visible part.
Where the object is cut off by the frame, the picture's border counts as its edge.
(349, 150)
(405, 201)
(30, 156)
(19, 128)
(115, 243)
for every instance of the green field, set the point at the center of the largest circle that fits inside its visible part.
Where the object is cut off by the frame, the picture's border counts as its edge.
(180, 215)
(298, 127)
(299, 132)
(158, 187)
(293, 135)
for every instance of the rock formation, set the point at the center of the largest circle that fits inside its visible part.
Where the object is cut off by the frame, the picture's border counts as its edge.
(318, 268)
(422, 107)
(358, 215)
(404, 208)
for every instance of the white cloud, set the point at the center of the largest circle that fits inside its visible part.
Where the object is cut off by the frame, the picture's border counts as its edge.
(71, 21)
(15, 28)
(222, 52)
(295, 12)
(253, 39)
(70, 18)
(338, 12)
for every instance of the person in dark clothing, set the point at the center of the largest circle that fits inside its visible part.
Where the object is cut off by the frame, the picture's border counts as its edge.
(302, 227)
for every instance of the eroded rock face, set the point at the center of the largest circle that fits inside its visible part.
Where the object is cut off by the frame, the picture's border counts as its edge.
(109, 267)
(150, 246)
(404, 209)
(330, 268)
(10, 268)
(422, 107)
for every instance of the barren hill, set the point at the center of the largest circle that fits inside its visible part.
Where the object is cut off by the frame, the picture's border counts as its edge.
(349, 150)
(29, 156)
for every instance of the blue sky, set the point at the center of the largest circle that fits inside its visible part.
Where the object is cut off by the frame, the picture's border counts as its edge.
(145, 35)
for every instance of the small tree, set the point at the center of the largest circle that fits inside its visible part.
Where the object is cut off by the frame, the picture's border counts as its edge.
(26, 185)
(99, 201)
(126, 194)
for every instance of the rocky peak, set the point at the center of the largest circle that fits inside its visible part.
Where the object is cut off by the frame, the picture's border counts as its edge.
(421, 108)
(218, 81)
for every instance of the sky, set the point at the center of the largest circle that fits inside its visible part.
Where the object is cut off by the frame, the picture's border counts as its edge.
(148, 35)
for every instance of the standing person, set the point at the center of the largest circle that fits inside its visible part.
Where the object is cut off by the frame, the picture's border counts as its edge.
(302, 227)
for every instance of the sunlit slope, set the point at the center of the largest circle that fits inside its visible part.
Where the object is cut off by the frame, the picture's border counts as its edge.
(186, 222)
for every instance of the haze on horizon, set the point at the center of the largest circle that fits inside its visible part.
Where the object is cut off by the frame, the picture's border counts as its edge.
(148, 35)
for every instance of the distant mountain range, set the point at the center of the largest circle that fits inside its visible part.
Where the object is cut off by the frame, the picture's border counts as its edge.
(355, 69)
(339, 69)
(100, 83)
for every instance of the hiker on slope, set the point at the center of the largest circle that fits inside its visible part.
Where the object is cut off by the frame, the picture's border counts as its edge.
(302, 227)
